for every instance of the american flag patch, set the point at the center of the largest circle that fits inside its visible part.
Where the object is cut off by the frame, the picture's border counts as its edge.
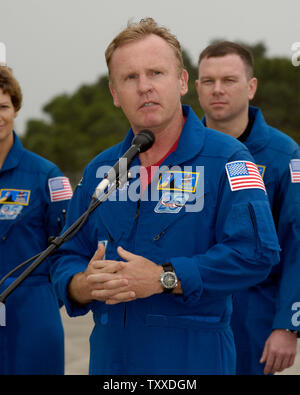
(295, 170)
(60, 189)
(244, 175)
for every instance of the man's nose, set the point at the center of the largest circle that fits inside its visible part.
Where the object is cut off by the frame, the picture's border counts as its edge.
(218, 87)
(144, 84)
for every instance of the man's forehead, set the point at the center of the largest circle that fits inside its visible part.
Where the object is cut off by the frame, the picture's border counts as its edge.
(222, 64)
(149, 53)
(141, 44)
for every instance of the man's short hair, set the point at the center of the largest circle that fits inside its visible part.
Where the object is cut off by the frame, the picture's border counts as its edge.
(10, 86)
(138, 31)
(223, 48)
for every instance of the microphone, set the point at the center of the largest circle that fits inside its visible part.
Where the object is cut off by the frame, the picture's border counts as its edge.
(141, 142)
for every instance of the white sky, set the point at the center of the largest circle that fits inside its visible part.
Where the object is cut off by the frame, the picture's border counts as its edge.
(54, 46)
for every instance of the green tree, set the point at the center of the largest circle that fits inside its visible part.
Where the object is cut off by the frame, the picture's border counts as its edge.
(278, 94)
(191, 98)
(81, 125)
(85, 123)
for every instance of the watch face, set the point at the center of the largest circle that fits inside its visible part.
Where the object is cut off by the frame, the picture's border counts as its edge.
(169, 280)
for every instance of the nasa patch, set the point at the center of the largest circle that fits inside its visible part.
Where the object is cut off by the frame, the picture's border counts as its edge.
(171, 203)
(10, 211)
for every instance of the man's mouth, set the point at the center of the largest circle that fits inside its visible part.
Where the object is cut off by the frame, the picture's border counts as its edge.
(148, 104)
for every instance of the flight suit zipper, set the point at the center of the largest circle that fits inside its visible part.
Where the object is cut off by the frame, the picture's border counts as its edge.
(157, 237)
(137, 210)
(136, 220)
(253, 220)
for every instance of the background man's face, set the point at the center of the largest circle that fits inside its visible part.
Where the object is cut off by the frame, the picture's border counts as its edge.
(224, 88)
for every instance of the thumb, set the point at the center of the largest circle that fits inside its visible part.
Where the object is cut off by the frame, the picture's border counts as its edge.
(124, 254)
(99, 253)
(264, 354)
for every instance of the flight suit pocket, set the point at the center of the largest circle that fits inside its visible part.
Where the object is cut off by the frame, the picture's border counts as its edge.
(27, 214)
(263, 225)
(185, 321)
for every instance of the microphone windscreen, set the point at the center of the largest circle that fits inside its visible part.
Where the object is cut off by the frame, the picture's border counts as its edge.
(144, 140)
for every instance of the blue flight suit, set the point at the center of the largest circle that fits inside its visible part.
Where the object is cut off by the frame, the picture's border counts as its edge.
(217, 240)
(271, 304)
(32, 342)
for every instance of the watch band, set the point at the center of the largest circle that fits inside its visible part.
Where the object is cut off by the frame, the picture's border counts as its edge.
(291, 331)
(168, 267)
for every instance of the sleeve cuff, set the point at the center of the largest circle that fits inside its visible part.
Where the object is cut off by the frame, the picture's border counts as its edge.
(284, 321)
(61, 287)
(75, 309)
(188, 274)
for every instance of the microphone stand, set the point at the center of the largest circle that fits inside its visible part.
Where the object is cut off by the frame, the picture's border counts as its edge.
(68, 234)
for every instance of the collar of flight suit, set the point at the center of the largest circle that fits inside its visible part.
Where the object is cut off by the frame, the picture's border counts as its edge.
(260, 133)
(190, 143)
(14, 155)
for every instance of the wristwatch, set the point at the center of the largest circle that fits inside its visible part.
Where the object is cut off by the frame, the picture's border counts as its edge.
(291, 331)
(168, 278)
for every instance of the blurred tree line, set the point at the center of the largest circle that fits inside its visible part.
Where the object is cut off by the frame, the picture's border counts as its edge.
(85, 123)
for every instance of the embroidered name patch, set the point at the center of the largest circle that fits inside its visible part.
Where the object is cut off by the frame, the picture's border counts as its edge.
(295, 170)
(14, 196)
(244, 175)
(182, 181)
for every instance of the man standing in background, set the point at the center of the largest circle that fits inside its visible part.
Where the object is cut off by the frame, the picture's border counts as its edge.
(262, 314)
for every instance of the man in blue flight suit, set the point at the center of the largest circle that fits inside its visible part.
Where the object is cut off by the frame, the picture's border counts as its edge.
(262, 317)
(33, 198)
(161, 296)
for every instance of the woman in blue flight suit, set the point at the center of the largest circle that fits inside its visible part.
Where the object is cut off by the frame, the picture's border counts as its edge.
(33, 197)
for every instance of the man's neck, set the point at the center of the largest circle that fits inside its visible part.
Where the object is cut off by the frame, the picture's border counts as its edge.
(234, 127)
(164, 140)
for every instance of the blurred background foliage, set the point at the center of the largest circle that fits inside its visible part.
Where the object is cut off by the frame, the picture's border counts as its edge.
(83, 124)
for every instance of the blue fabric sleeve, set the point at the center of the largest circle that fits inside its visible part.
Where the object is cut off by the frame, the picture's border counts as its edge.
(246, 247)
(74, 255)
(289, 238)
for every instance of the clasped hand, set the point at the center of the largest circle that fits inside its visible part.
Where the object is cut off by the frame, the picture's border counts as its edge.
(119, 281)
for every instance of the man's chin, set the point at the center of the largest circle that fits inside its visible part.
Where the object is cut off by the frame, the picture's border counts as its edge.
(219, 116)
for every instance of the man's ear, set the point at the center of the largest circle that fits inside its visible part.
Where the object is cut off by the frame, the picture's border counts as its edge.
(252, 88)
(184, 78)
(114, 95)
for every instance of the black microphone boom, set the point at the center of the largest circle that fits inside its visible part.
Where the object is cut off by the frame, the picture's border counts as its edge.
(140, 143)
